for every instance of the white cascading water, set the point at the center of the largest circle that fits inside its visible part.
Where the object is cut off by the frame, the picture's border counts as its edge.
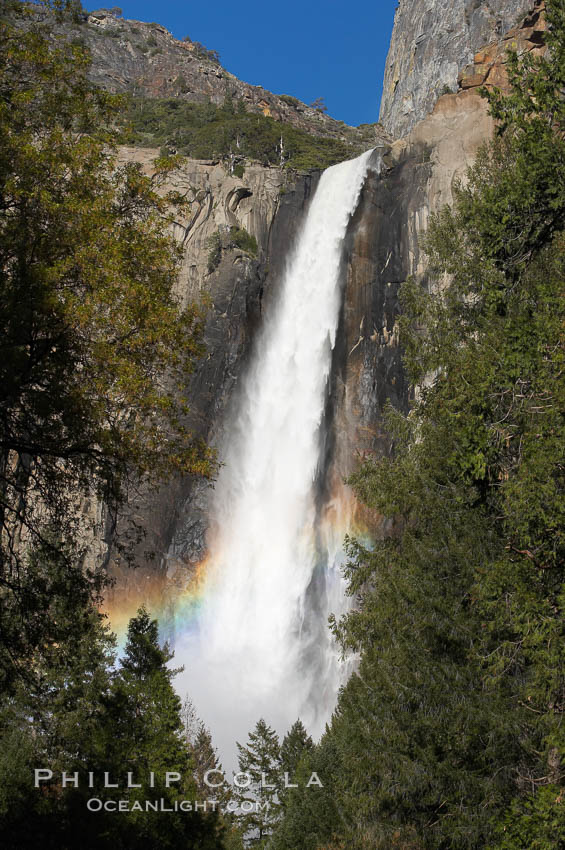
(261, 646)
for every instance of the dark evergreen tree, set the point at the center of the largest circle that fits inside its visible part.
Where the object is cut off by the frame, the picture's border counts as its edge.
(260, 760)
(146, 738)
(143, 657)
(53, 717)
(145, 708)
(205, 758)
(312, 814)
(78, 715)
(295, 743)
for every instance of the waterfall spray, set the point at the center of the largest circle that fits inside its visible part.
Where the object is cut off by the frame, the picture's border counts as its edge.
(261, 646)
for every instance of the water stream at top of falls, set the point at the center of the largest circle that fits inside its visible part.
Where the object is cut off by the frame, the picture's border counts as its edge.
(260, 646)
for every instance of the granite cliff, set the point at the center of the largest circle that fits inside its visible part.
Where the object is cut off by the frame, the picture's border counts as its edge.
(267, 204)
(417, 179)
(432, 41)
(381, 250)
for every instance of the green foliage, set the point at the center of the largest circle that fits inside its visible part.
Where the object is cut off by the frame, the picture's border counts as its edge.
(415, 725)
(312, 815)
(40, 616)
(260, 759)
(63, 10)
(236, 237)
(538, 822)
(202, 52)
(532, 124)
(214, 251)
(54, 719)
(289, 100)
(96, 349)
(80, 714)
(142, 654)
(240, 238)
(206, 131)
(205, 758)
(144, 709)
(319, 104)
(295, 744)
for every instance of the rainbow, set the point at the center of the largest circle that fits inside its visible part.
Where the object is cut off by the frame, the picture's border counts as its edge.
(176, 603)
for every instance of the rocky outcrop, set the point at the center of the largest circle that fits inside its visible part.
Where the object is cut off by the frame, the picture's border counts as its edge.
(145, 59)
(432, 41)
(384, 243)
(489, 63)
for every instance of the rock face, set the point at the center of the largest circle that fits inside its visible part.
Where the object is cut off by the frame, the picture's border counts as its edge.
(489, 63)
(383, 249)
(145, 59)
(384, 245)
(268, 203)
(432, 41)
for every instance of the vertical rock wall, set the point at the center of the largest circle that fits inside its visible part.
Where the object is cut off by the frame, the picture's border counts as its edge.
(432, 41)
(383, 249)
(268, 203)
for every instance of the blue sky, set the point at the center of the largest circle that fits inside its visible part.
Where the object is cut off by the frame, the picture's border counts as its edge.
(306, 48)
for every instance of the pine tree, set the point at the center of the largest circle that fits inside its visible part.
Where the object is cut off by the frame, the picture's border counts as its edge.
(205, 761)
(143, 657)
(206, 758)
(296, 743)
(146, 708)
(190, 721)
(54, 718)
(147, 734)
(312, 816)
(260, 760)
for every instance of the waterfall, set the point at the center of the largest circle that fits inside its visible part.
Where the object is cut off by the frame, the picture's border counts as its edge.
(261, 645)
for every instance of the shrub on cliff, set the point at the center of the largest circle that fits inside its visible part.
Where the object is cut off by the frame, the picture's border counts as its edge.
(237, 237)
(240, 238)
